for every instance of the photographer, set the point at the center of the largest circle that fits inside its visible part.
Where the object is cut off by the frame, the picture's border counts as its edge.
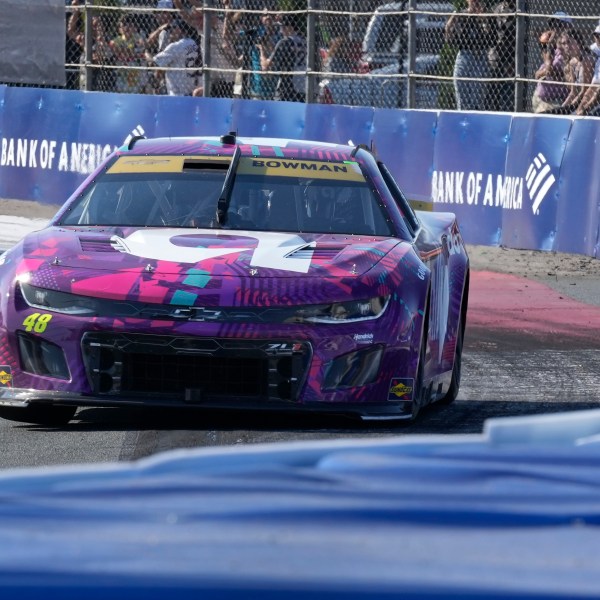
(261, 85)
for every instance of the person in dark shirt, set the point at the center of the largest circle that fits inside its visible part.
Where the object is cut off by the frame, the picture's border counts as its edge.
(473, 35)
(289, 55)
(501, 93)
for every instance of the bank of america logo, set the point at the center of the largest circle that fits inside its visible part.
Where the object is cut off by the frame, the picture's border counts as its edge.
(539, 180)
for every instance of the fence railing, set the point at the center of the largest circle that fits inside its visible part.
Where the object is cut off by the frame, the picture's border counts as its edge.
(512, 55)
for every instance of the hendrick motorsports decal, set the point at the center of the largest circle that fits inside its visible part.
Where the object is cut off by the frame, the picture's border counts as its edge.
(494, 190)
(271, 250)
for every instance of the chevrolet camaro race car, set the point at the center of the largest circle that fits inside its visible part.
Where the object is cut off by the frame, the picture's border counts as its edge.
(234, 273)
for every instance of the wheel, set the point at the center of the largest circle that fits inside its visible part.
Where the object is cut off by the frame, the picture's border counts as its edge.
(39, 414)
(420, 391)
(452, 392)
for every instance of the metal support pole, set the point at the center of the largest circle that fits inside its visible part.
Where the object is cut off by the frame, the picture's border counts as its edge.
(88, 52)
(311, 51)
(206, 29)
(520, 85)
(411, 48)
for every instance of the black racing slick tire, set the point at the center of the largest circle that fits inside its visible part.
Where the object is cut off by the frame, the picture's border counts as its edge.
(452, 392)
(420, 392)
(39, 414)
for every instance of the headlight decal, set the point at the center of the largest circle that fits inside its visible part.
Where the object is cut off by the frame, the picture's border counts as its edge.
(353, 311)
(344, 312)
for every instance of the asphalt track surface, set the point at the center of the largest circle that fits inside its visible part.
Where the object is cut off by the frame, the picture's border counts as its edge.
(532, 346)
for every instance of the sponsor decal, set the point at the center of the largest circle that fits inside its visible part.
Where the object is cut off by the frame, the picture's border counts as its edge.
(363, 338)
(160, 163)
(5, 376)
(401, 389)
(539, 181)
(313, 169)
(46, 154)
(494, 189)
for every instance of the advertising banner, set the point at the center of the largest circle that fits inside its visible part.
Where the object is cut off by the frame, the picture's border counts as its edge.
(341, 125)
(469, 177)
(404, 141)
(533, 165)
(578, 210)
(524, 181)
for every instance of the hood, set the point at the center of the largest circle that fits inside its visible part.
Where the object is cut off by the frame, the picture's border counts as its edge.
(216, 252)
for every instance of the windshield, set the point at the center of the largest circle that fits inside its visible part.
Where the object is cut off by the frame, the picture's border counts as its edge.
(267, 195)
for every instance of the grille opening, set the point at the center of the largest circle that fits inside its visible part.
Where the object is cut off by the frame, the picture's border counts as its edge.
(177, 373)
(105, 383)
(194, 369)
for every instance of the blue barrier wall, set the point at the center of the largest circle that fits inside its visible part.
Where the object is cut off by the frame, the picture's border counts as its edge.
(523, 181)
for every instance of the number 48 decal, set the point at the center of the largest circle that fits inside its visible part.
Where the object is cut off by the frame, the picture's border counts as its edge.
(37, 322)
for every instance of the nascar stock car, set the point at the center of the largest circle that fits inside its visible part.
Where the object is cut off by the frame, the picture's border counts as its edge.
(237, 273)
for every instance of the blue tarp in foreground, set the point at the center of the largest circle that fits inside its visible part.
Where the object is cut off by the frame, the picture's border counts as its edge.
(511, 513)
(522, 181)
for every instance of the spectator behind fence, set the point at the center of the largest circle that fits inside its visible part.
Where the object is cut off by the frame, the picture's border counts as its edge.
(158, 40)
(72, 47)
(551, 90)
(181, 57)
(243, 31)
(578, 70)
(129, 49)
(501, 93)
(288, 55)
(473, 35)
(222, 60)
(268, 33)
(102, 76)
(590, 102)
(344, 56)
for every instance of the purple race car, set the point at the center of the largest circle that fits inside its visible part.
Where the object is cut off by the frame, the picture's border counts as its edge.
(234, 273)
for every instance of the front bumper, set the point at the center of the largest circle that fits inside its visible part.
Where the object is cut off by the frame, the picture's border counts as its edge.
(163, 369)
(22, 398)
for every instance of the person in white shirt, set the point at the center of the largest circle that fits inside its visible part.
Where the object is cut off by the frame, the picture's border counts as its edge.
(590, 103)
(179, 57)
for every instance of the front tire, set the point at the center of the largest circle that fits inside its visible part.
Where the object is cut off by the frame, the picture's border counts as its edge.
(420, 391)
(452, 392)
(39, 414)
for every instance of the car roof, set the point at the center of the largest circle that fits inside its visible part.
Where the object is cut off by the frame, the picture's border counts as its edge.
(249, 146)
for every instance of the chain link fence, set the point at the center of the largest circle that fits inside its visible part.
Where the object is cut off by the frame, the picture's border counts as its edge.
(508, 55)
